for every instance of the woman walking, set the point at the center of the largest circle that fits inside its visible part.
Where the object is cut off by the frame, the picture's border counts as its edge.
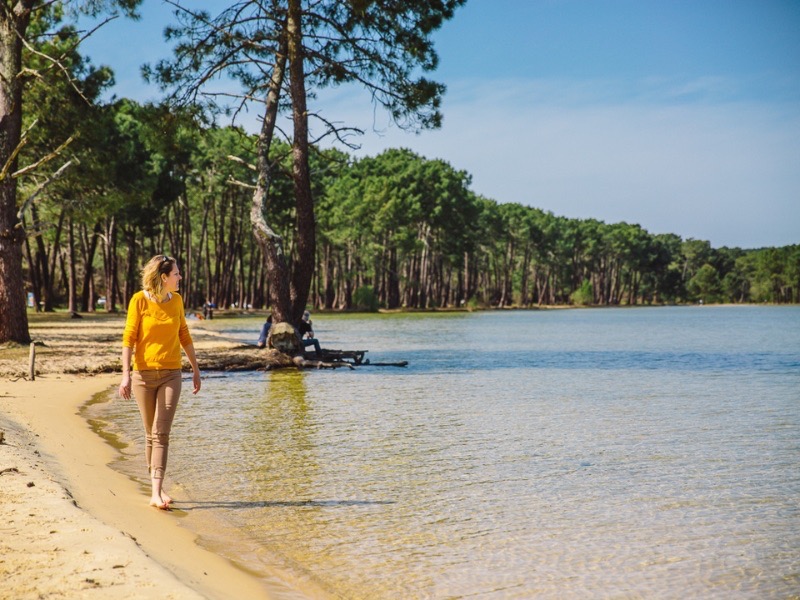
(155, 331)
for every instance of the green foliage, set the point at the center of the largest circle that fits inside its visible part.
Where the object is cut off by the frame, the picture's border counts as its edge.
(364, 299)
(705, 285)
(583, 296)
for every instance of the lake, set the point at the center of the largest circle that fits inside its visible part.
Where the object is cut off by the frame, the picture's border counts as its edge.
(629, 453)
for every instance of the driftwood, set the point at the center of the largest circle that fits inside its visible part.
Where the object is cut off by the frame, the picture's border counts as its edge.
(239, 358)
(304, 363)
(275, 359)
(400, 363)
(357, 356)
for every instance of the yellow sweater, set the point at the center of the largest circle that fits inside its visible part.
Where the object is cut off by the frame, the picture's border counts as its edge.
(156, 331)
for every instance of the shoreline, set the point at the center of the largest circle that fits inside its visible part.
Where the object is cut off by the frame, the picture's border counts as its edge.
(74, 525)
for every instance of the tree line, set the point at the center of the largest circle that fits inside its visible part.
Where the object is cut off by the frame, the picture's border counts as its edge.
(396, 230)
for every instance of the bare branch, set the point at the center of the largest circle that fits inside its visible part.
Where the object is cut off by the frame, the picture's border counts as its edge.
(22, 141)
(341, 133)
(247, 186)
(41, 187)
(43, 160)
(236, 159)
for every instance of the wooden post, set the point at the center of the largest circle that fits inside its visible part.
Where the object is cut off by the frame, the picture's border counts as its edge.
(32, 366)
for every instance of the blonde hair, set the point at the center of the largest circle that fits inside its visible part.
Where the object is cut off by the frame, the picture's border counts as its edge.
(152, 271)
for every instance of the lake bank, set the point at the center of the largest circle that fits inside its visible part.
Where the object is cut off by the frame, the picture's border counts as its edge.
(79, 527)
(73, 525)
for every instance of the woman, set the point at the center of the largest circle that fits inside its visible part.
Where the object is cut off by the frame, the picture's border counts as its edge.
(155, 330)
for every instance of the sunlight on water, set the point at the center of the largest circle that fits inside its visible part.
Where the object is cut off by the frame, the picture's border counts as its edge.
(614, 453)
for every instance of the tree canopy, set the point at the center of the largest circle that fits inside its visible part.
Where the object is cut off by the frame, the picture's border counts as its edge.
(35, 46)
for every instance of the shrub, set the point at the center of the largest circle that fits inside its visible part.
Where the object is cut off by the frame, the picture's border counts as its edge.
(583, 295)
(364, 298)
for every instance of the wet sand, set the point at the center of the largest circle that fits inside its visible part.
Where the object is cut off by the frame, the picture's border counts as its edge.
(70, 525)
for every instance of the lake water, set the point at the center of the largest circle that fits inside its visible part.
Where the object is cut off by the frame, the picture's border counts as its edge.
(626, 453)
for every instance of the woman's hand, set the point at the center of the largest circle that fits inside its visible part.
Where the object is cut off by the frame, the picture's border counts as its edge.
(189, 349)
(125, 386)
(196, 380)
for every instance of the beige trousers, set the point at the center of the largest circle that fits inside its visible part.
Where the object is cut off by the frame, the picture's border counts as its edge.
(157, 394)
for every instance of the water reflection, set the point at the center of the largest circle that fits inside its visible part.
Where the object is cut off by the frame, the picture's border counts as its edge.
(280, 432)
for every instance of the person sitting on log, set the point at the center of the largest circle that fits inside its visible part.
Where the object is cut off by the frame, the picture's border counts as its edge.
(306, 332)
(262, 338)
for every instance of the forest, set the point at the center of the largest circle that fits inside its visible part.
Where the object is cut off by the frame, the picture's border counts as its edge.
(91, 187)
(395, 230)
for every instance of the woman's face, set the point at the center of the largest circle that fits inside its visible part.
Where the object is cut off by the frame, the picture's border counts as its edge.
(170, 282)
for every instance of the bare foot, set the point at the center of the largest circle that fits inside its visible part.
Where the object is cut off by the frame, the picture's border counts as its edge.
(159, 504)
(165, 498)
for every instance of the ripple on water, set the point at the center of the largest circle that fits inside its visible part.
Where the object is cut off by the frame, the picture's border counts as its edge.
(647, 453)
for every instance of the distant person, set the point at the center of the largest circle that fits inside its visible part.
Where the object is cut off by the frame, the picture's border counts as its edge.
(208, 309)
(155, 331)
(306, 332)
(262, 339)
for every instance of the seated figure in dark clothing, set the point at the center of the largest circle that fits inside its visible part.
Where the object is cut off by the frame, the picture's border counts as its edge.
(262, 339)
(307, 333)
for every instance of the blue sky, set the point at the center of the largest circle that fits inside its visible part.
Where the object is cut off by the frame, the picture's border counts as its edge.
(681, 116)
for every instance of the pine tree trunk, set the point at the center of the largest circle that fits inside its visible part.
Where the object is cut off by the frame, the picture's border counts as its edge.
(33, 267)
(110, 263)
(303, 270)
(394, 281)
(72, 299)
(90, 248)
(330, 294)
(271, 243)
(13, 314)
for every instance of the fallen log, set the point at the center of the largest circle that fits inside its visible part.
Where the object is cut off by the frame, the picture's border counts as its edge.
(235, 358)
(400, 363)
(357, 356)
(275, 359)
(304, 363)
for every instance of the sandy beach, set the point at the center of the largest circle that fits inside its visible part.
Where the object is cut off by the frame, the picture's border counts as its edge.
(71, 526)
